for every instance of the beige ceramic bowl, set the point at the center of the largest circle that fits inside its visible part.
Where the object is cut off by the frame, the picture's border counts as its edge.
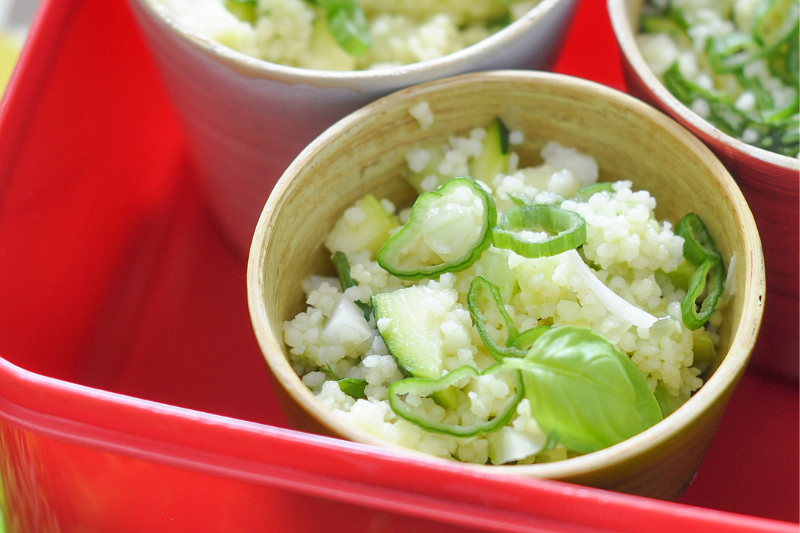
(246, 119)
(770, 183)
(365, 153)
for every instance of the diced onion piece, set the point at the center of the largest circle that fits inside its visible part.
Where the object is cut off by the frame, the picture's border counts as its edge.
(510, 444)
(614, 303)
(346, 324)
(730, 283)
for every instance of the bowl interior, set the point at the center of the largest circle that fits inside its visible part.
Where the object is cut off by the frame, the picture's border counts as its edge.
(365, 153)
(625, 16)
(507, 48)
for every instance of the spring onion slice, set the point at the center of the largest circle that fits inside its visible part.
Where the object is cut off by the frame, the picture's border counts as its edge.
(348, 25)
(587, 191)
(445, 228)
(712, 274)
(519, 222)
(483, 294)
(775, 21)
(342, 266)
(614, 303)
(722, 112)
(426, 387)
(518, 199)
(698, 246)
(730, 52)
(524, 340)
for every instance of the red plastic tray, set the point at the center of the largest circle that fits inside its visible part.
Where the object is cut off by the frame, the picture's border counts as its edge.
(133, 396)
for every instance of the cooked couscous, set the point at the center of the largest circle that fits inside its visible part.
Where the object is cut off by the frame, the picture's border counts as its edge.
(733, 62)
(460, 350)
(346, 34)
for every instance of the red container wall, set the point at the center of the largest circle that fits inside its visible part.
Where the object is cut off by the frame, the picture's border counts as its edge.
(120, 304)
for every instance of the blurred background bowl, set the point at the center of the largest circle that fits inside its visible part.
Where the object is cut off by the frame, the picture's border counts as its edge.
(365, 153)
(769, 182)
(246, 119)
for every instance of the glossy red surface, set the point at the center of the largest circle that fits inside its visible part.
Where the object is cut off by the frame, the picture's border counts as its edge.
(133, 396)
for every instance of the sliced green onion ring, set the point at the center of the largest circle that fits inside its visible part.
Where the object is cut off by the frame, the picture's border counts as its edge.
(712, 274)
(483, 294)
(775, 21)
(730, 52)
(426, 387)
(587, 191)
(698, 246)
(525, 340)
(568, 227)
(518, 199)
(342, 266)
(432, 218)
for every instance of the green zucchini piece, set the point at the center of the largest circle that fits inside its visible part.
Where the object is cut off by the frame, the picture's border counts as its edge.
(681, 275)
(368, 234)
(412, 334)
(494, 155)
(494, 267)
(666, 401)
(415, 179)
(705, 355)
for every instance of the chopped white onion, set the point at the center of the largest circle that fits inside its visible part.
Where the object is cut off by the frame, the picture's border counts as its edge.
(346, 324)
(730, 283)
(509, 444)
(614, 303)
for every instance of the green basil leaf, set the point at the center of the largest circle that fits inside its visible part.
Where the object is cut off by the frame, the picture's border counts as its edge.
(348, 25)
(244, 10)
(353, 387)
(584, 393)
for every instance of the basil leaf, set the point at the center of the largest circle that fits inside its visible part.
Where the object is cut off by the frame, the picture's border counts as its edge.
(244, 10)
(348, 25)
(353, 387)
(583, 392)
